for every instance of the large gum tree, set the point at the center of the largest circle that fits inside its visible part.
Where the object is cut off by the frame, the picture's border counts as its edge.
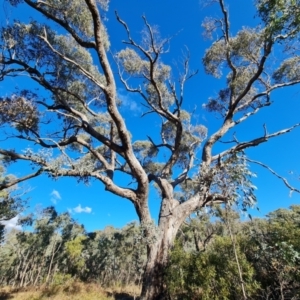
(76, 128)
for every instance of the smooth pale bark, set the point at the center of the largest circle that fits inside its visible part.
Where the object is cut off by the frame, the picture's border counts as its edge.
(153, 280)
(51, 262)
(23, 274)
(172, 215)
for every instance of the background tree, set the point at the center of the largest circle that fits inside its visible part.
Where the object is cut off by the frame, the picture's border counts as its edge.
(211, 274)
(267, 251)
(37, 256)
(58, 251)
(273, 250)
(90, 138)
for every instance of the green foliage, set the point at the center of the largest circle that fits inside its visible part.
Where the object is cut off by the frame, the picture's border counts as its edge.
(267, 252)
(19, 111)
(60, 279)
(132, 62)
(74, 250)
(72, 12)
(273, 249)
(281, 17)
(58, 249)
(202, 263)
(288, 70)
(244, 49)
(212, 274)
(234, 180)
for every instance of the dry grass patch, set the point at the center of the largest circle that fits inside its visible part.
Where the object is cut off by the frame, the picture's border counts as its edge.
(69, 291)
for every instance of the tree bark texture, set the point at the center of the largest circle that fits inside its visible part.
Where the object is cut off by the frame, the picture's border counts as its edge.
(153, 280)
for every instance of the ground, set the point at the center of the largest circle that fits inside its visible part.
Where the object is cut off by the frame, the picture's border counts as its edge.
(71, 291)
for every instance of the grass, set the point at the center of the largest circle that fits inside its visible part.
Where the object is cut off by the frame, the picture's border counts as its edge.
(72, 290)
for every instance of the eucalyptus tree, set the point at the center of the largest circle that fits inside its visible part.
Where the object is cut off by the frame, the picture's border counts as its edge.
(52, 248)
(77, 129)
(8, 257)
(115, 256)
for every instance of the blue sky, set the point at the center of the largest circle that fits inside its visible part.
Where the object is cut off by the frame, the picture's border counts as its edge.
(96, 208)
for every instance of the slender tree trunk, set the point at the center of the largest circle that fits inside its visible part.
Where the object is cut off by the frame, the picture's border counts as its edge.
(23, 274)
(37, 275)
(51, 262)
(54, 271)
(232, 237)
(238, 263)
(127, 278)
(40, 268)
(18, 271)
(52, 259)
(32, 272)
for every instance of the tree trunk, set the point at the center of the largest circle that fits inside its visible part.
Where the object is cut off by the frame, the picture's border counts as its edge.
(153, 286)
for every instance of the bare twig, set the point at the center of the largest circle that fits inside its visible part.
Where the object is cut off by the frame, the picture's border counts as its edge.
(274, 173)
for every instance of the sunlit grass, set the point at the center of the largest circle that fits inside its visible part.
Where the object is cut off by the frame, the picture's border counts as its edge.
(72, 290)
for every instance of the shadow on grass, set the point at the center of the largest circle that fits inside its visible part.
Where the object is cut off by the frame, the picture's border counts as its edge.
(5, 295)
(121, 296)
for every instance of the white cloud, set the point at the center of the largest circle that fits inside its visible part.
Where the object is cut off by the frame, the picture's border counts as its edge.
(12, 224)
(55, 196)
(78, 209)
(128, 102)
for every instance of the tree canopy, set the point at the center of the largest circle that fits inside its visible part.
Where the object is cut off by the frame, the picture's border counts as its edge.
(75, 127)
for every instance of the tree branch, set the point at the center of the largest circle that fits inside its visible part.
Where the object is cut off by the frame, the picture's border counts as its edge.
(274, 173)
(115, 189)
(110, 93)
(253, 143)
(64, 24)
(77, 65)
(21, 179)
(181, 177)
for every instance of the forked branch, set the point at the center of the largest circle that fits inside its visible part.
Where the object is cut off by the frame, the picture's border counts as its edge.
(253, 143)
